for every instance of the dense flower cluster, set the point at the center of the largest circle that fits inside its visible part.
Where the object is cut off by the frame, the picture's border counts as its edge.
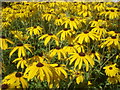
(57, 44)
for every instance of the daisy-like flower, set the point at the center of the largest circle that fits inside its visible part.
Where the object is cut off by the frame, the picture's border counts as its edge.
(41, 70)
(8, 86)
(65, 33)
(72, 22)
(111, 70)
(48, 16)
(114, 33)
(69, 49)
(58, 21)
(86, 36)
(16, 78)
(59, 51)
(3, 42)
(94, 54)
(79, 58)
(111, 41)
(19, 35)
(48, 37)
(36, 30)
(21, 49)
(21, 62)
(112, 80)
(79, 47)
(100, 31)
(59, 69)
(78, 75)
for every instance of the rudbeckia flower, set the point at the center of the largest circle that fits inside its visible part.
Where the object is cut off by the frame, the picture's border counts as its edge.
(58, 21)
(85, 37)
(3, 42)
(42, 71)
(59, 69)
(111, 70)
(99, 31)
(36, 30)
(69, 49)
(71, 22)
(59, 51)
(21, 62)
(48, 16)
(8, 86)
(49, 37)
(16, 78)
(111, 41)
(79, 58)
(79, 47)
(65, 33)
(112, 80)
(94, 54)
(21, 49)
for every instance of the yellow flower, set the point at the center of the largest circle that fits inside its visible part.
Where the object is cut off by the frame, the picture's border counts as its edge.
(59, 51)
(49, 37)
(36, 30)
(112, 80)
(94, 54)
(69, 49)
(48, 16)
(111, 41)
(111, 70)
(79, 58)
(22, 62)
(71, 22)
(19, 35)
(79, 47)
(60, 70)
(85, 37)
(65, 33)
(16, 78)
(21, 49)
(58, 21)
(41, 70)
(3, 42)
(78, 75)
(99, 31)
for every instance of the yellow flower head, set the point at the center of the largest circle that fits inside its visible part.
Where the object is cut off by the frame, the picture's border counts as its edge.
(48, 37)
(36, 30)
(3, 42)
(21, 49)
(79, 58)
(16, 78)
(111, 70)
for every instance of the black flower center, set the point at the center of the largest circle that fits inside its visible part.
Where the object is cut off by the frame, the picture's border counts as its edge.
(58, 65)
(35, 26)
(82, 54)
(96, 19)
(50, 34)
(39, 65)
(110, 68)
(107, 10)
(117, 31)
(65, 29)
(118, 10)
(58, 17)
(5, 86)
(18, 74)
(41, 54)
(93, 51)
(57, 48)
(100, 27)
(70, 45)
(86, 32)
(2, 37)
(19, 44)
(71, 19)
(113, 37)
(49, 12)
(112, 10)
